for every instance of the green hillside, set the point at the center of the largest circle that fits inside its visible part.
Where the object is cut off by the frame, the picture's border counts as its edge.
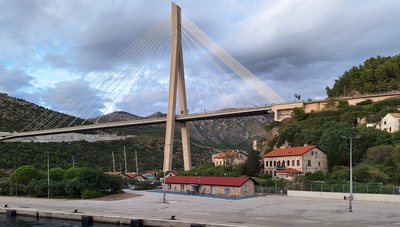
(380, 74)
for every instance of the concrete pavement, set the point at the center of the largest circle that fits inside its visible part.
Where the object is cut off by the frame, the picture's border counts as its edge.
(188, 209)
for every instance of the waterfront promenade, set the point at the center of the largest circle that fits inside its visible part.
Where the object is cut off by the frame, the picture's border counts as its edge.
(189, 209)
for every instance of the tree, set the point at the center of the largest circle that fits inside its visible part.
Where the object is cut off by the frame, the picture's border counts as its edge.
(298, 114)
(24, 174)
(378, 154)
(331, 103)
(57, 174)
(395, 155)
(342, 104)
(252, 166)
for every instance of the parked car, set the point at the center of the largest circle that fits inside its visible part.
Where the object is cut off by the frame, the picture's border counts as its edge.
(132, 187)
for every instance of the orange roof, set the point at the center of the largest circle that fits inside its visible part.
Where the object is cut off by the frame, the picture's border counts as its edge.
(396, 115)
(227, 154)
(288, 170)
(291, 151)
(112, 173)
(208, 180)
(131, 175)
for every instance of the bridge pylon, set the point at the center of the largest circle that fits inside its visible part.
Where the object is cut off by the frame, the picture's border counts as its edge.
(176, 85)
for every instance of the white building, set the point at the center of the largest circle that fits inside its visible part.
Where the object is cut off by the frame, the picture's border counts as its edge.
(391, 122)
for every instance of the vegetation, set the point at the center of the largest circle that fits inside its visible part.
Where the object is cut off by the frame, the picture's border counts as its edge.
(380, 74)
(73, 182)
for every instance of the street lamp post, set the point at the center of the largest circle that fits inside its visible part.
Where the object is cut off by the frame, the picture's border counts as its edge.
(351, 169)
(48, 175)
(164, 192)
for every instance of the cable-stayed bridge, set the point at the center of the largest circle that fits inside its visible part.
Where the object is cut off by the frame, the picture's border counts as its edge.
(105, 90)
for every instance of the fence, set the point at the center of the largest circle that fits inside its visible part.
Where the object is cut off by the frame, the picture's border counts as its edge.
(357, 188)
(270, 190)
(323, 187)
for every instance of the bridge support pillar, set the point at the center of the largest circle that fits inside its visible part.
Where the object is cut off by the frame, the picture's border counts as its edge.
(177, 82)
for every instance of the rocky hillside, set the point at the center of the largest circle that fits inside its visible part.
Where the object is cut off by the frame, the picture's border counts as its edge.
(230, 133)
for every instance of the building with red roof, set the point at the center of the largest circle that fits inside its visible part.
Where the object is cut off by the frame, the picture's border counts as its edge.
(293, 161)
(211, 185)
(134, 176)
(229, 158)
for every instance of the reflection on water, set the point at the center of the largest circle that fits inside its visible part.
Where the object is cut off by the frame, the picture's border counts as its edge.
(23, 221)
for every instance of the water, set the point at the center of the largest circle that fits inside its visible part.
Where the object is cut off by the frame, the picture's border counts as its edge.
(23, 221)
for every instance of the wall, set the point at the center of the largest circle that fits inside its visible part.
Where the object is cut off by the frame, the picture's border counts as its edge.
(340, 196)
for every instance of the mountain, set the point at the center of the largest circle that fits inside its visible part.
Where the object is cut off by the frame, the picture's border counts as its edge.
(207, 136)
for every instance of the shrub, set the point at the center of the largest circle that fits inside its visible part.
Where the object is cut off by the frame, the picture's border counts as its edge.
(90, 194)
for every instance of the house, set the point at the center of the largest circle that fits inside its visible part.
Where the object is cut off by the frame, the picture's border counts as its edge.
(211, 185)
(134, 176)
(293, 161)
(229, 158)
(391, 122)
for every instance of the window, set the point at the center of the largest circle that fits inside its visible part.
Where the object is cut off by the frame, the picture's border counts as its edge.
(319, 164)
(274, 163)
(298, 162)
(288, 163)
(266, 163)
(312, 152)
(309, 162)
(246, 188)
(270, 163)
(292, 162)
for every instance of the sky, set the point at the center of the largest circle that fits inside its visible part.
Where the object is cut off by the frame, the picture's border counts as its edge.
(48, 48)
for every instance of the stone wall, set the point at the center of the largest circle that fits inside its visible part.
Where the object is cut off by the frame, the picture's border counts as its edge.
(340, 196)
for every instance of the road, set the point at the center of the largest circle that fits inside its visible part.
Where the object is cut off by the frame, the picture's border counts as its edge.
(255, 211)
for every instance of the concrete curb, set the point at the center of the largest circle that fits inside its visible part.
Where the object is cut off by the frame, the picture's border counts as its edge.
(104, 218)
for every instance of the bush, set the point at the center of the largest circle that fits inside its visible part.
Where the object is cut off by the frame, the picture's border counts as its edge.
(4, 187)
(90, 194)
(73, 188)
(342, 174)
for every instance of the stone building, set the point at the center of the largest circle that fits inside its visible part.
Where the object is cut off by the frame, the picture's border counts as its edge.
(293, 161)
(229, 158)
(210, 185)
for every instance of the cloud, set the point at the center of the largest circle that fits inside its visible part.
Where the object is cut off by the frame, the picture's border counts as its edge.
(74, 97)
(49, 47)
(13, 81)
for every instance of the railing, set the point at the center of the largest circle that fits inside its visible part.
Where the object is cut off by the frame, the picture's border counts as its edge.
(357, 188)
(269, 190)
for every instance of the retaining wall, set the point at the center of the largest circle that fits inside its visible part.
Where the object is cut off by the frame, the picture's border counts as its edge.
(338, 195)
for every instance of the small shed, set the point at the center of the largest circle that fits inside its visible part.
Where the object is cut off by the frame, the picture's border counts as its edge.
(211, 185)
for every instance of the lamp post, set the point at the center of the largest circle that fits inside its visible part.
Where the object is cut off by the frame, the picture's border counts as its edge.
(164, 201)
(48, 175)
(351, 169)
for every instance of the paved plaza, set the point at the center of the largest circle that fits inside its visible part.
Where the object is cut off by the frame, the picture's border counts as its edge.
(255, 211)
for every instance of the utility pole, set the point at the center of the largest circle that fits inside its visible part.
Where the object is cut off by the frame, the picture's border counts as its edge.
(126, 168)
(113, 160)
(48, 174)
(137, 168)
(351, 168)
